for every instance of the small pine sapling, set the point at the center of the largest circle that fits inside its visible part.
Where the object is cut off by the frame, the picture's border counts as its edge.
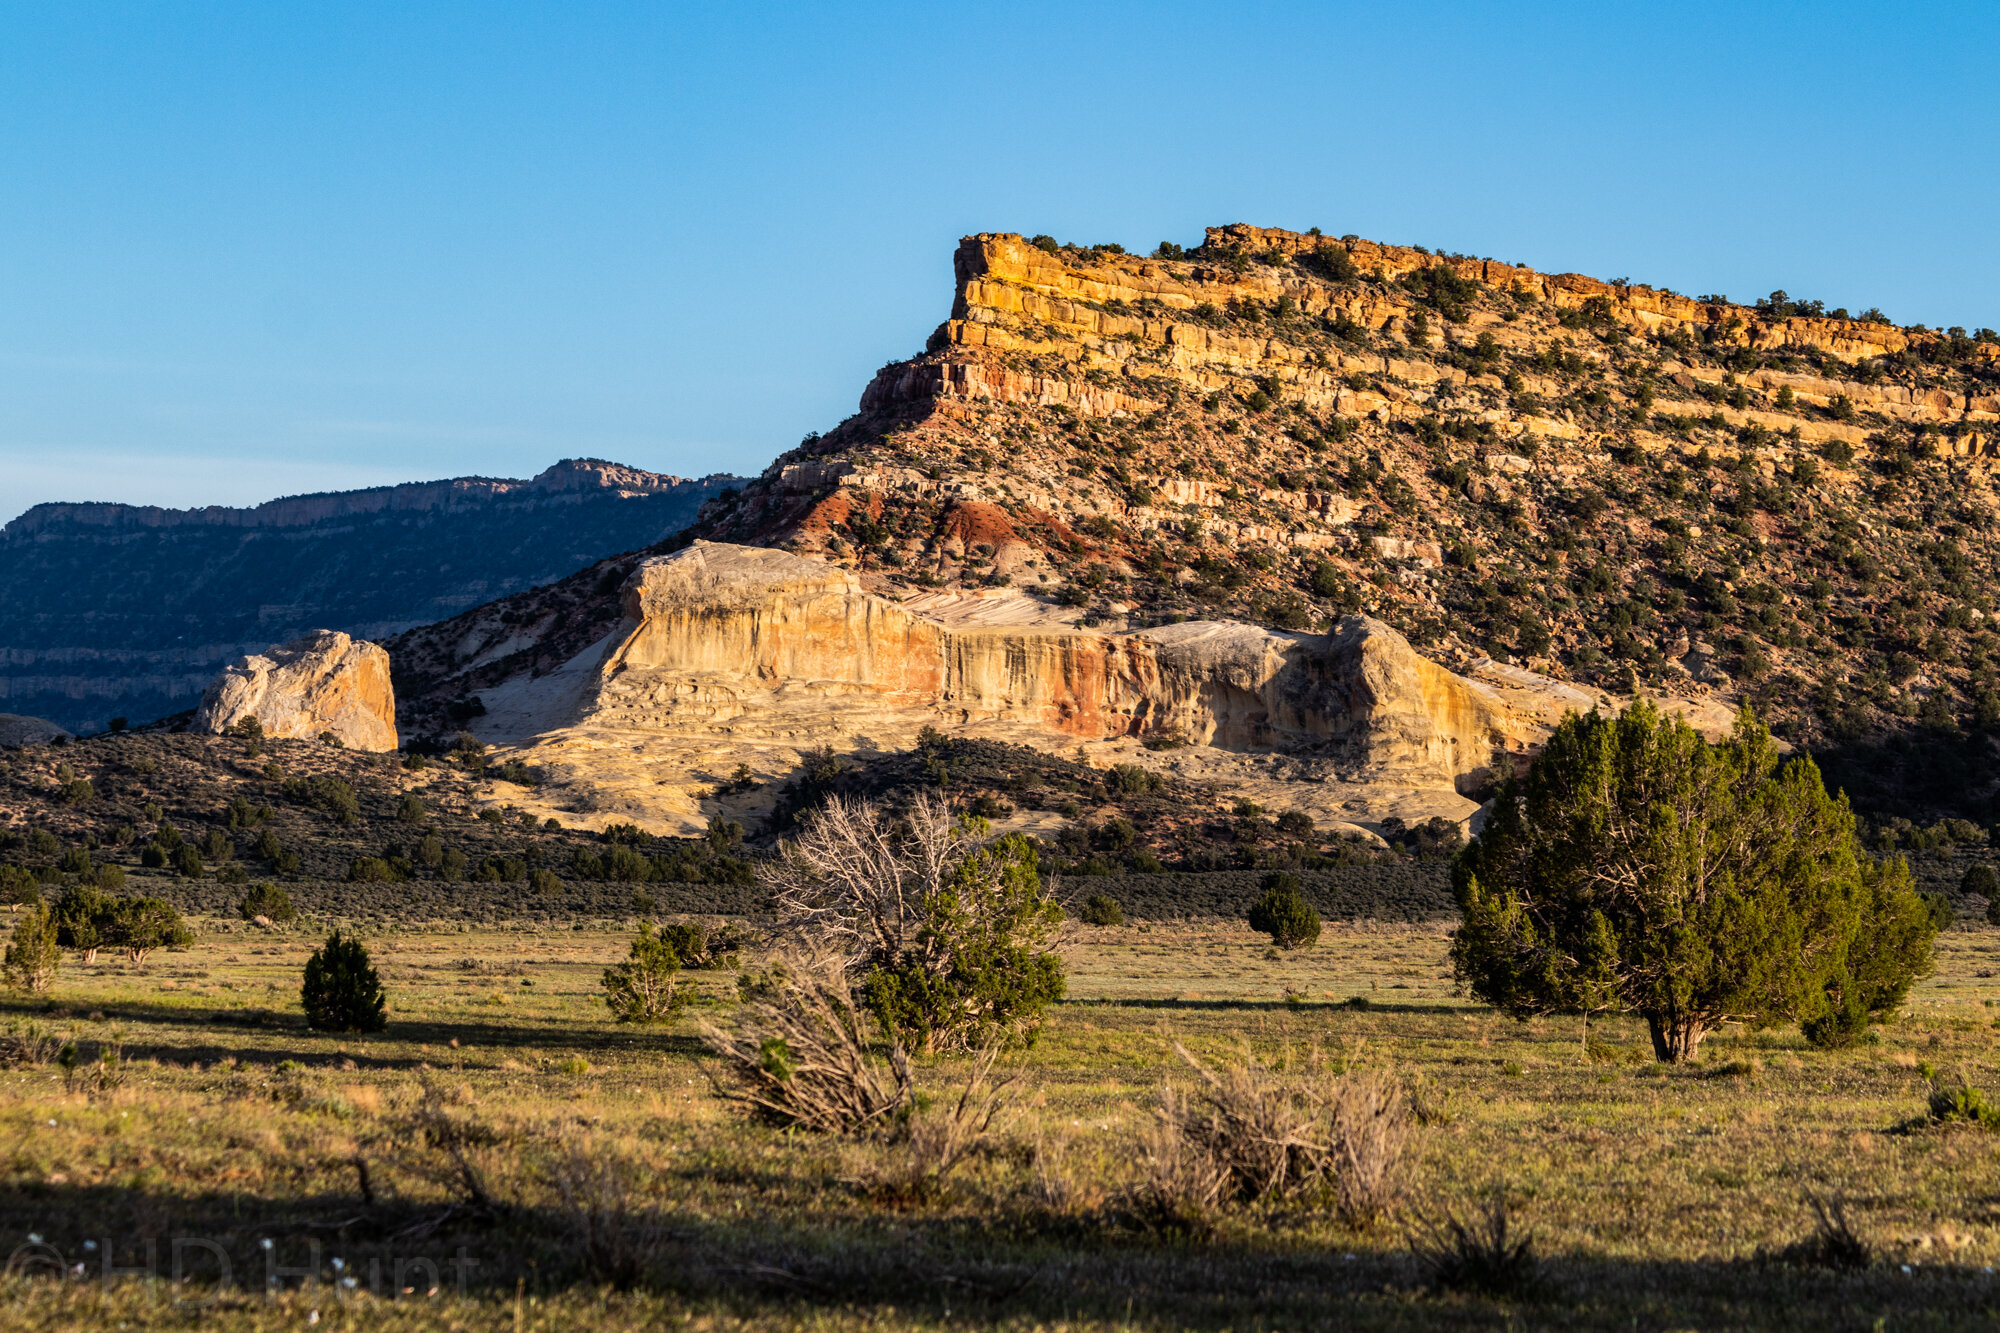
(268, 901)
(342, 992)
(34, 955)
(1284, 914)
(646, 988)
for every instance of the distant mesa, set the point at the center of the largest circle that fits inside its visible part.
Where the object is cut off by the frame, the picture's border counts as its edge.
(109, 610)
(325, 682)
(570, 477)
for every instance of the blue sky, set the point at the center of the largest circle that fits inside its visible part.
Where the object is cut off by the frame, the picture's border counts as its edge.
(250, 250)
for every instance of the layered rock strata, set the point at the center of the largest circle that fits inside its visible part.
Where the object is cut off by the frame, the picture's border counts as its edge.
(1608, 482)
(726, 635)
(1158, 317)
(731, 654)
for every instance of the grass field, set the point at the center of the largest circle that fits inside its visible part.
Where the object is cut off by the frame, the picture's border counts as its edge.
(600, 1180)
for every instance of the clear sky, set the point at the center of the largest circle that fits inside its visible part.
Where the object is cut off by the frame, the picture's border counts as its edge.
(256, 249)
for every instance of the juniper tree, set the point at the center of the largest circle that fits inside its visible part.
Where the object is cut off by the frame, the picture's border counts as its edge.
(33, 956)
(1981, 880)
(1284, 914)
(949, 933)
(1639, 869)
(141, 925)
(82, 916)
(1101, 909)
(646, 987)
(267, 901)
(342, 992)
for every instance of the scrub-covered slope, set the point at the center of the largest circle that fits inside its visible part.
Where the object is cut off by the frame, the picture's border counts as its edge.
(1613, 485)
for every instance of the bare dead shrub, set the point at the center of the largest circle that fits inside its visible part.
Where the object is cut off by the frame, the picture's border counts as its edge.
(27, 1045)
(1059, 1182)
(452, 1150)
(1270, 1133)
(854, 883)
(1186, 1182)
(1431, 1103)
(798, 1051)
(918, 1163)
(1251, 1134)
(1371, 1127)
(616, 1231)
(1479, 1253)
(1834, 1241)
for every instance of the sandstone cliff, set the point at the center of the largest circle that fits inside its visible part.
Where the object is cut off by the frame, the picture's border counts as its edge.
(1604, 487)
(727, 635)
(324, 682)
(728, 654)
(1612, 484)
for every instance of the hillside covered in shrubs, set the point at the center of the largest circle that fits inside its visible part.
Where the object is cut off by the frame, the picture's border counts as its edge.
(1783, 501)
(196, 820)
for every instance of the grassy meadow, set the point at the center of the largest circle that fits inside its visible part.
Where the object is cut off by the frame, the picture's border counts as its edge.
(506, 1157)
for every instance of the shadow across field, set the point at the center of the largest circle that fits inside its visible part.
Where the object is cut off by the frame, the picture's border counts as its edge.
(1007, 1267)
(175, 1033)
(1269, 1006)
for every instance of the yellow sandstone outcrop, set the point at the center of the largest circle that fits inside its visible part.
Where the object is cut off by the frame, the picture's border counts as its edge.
(761, 644)
(1120, 314)
(772, 619)
(323, 682)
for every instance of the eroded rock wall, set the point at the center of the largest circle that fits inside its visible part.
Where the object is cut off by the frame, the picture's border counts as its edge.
(775, 619)
(1126, 313)
(767, 643)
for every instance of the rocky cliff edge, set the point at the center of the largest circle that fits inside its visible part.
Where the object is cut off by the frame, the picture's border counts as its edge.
(731, 654)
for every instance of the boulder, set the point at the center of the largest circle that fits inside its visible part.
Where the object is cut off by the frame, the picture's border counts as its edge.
(323, 682)
(18, 730)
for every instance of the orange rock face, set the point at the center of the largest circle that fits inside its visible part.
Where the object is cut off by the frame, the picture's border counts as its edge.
(324, 682)
(1013, 297)
(768, 643)
(773, 618)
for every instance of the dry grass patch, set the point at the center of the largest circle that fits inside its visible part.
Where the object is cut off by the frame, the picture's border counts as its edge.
(608, 1158)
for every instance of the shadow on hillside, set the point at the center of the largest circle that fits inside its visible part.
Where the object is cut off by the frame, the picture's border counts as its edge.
(1016, 1268)
(1919, 774)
